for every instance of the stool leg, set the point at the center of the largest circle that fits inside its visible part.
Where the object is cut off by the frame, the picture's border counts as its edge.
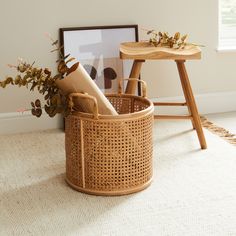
(135, 72)
(185, 93)
(191, 102)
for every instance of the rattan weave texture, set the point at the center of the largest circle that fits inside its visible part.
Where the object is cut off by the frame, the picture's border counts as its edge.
(111, 155)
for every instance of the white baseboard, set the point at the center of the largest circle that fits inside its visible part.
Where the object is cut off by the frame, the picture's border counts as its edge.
(16, 122)
(207, 103)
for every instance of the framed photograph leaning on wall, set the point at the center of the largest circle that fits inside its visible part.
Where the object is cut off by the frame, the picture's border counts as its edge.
(97, 49)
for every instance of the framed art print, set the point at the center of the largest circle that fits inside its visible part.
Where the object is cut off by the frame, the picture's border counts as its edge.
(97, 49)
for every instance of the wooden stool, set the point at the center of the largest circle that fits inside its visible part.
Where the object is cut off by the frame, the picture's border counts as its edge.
(141, 51)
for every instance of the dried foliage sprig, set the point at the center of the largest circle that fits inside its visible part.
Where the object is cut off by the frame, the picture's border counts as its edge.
(63, 61)
(163, 39)
(42, 79)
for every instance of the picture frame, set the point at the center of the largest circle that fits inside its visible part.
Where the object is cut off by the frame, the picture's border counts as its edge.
(97, 49)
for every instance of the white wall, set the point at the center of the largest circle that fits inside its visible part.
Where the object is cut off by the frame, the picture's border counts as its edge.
(23, 23)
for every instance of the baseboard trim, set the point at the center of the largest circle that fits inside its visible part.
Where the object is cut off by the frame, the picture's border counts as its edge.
(207, 103)
(17, 122)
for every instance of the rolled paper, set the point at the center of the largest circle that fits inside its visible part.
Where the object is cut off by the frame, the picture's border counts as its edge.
(79, 81)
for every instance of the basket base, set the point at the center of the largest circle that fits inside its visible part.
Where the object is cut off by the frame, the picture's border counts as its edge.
(110, 193)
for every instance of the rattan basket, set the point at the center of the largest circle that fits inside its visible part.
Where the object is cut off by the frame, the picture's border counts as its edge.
(110, 155)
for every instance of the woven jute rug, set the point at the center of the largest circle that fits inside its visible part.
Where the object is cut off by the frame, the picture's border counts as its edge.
(193, 192)
(220, 131)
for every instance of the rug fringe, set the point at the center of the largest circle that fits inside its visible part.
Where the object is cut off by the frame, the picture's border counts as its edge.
(223, 133)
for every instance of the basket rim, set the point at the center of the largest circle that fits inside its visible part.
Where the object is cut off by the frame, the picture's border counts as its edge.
(129, 116)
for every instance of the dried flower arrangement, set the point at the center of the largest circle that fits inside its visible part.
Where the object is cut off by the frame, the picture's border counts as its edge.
(163, 39)
(42, 79)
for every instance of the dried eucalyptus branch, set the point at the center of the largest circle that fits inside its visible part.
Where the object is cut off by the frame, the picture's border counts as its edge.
(63, 61)
(37, 78)
(163, 39)
(42, 79)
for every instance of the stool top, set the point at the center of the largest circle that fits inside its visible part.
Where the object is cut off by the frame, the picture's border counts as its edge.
(146, 51)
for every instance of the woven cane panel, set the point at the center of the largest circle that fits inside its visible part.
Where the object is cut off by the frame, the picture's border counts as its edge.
(73, 150)
(139, 105)
(122, 105)
(117, 154)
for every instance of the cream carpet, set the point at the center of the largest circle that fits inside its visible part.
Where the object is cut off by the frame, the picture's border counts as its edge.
(193, 192)
(226, 120)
